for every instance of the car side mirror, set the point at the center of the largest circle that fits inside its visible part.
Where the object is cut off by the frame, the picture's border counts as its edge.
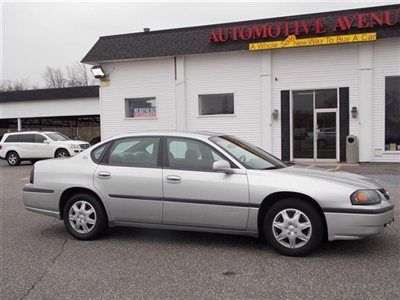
(222, 166)
(46, 141)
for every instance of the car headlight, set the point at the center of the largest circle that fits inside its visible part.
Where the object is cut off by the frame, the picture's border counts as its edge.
(365, 197)
(73, 146)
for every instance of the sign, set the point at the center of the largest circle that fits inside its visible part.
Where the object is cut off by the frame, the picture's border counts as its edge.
(312, 26)
(292, 41)
(105, 82)
(148, 112)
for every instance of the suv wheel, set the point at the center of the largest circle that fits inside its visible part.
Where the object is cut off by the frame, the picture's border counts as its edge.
(293, 227)
(13, 158)
(62, 153)
(84, 217)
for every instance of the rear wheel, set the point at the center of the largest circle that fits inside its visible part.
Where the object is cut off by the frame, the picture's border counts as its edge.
(293, 227)
(62, 153)
(13, 158)
(84, 217)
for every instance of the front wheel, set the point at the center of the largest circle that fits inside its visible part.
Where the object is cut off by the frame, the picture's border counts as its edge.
(293, 227)
(62, 153)
(13, 158)
(84, 217)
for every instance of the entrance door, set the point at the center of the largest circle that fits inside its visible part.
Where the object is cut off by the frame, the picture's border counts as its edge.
(325, 137)
(315, 120)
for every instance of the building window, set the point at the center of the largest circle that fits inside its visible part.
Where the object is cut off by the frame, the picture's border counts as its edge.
(392, 117)
(216, 104)
(140, 107)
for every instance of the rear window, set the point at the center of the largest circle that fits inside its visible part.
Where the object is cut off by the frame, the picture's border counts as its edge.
(11, 139)
(20, 138)
(97, 154)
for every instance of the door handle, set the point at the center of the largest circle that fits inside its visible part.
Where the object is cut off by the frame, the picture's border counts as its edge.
(173, 178)
(104, 174)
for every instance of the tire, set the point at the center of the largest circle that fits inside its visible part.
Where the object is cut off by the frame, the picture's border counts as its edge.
(284, 234)
(61, 153)
(13, 158)
(82, 229)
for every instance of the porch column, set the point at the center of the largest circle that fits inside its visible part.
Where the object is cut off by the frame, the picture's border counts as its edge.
(365, 106)
(19, 124)
(180, 101)
(266, 100)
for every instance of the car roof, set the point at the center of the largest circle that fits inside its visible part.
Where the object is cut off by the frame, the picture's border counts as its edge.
(22, 132)
(196, 134)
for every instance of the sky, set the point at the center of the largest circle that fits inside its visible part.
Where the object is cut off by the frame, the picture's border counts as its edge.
(39, 34)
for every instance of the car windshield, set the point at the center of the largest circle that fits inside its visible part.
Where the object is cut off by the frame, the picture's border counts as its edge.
(56, 136)
(249, 155)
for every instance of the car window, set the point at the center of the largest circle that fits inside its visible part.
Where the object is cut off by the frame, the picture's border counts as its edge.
(13, 138)
(249, 155)
(135, 152)
(25, 138)
(98, 152)
(39, 138)
(187, 154)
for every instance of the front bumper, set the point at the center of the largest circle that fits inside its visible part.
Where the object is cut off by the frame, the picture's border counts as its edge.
(353, 225)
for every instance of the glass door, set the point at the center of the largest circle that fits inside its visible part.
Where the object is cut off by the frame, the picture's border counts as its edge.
(303, 124)
(315, 120)
(325, 137)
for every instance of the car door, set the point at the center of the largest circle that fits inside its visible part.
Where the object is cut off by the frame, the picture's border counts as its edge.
(196, 195)
(42, 149)
(130, 179)
(26, 145)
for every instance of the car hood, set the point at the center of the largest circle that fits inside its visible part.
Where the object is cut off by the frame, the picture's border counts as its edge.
(75, 142)
(332, 175)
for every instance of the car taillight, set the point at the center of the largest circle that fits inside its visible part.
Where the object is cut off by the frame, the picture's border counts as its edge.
(32, 176)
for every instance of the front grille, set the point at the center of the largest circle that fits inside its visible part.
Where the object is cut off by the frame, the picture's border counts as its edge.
(385, 193)
(84, 146)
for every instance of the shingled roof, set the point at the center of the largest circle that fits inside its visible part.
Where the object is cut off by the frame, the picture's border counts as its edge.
(194, 40)
(51, 94)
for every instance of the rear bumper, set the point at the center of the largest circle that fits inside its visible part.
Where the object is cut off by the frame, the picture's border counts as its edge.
(42, 201)
(353, 226)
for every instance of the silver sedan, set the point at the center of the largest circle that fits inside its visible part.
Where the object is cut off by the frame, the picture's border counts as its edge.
(205, 182)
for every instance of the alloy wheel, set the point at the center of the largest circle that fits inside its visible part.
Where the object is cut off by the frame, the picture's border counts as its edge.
(62, 153)
(12, 159)
(292, 228)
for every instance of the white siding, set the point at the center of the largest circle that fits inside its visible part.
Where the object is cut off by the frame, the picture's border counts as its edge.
(135, 79)
(241, 73)
(313, 68)
(386, 62)
(50, 108)
(238, 73)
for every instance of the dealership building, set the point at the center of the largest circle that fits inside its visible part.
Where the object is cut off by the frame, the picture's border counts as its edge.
(73, 111)
(296, 86)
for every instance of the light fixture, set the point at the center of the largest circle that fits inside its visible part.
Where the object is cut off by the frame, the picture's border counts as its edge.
(275, 114)
(98, 72)
(354, 112)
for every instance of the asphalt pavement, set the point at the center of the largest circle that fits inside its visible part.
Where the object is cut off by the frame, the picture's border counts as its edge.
(40, 260)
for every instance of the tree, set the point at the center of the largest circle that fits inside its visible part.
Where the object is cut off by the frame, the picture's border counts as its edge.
(74, 75)
(14, 85)
(78, 75)
(54, 78)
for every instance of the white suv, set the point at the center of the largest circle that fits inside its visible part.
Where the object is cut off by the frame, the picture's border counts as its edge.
(34, 145)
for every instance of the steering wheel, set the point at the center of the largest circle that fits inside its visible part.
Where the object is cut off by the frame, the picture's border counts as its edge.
(242, 158)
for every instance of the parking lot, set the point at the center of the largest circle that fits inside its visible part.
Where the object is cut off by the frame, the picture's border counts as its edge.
(40, 260)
